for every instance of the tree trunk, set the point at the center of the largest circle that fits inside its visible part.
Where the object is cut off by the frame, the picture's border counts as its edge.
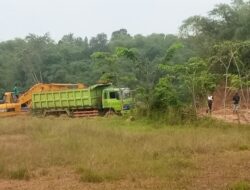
(247, 97)
(239, 75)
(225, 94)
(194, 98)
(225, 91)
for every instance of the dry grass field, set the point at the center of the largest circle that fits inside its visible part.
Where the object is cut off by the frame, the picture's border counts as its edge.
(114, 154)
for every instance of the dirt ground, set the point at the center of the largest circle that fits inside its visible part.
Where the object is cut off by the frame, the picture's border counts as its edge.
(227, 115)
(243, 117)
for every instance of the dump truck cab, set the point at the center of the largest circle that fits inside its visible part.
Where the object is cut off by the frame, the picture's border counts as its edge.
(117, 99)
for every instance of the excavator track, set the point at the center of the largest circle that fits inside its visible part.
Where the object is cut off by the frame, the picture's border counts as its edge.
(13, 114)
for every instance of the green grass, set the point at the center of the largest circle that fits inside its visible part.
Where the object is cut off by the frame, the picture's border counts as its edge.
(104, 150)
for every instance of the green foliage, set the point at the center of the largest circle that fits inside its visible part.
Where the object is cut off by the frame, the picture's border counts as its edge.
(234, 82)
(191, 79)
(171, 51)
(128, 53)
(166, 71)
(224, 22)
(165, 94)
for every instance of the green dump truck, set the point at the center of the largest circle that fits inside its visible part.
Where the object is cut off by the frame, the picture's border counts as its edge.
(99, 99)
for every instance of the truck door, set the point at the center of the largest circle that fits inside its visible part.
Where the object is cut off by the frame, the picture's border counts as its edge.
(112, 100)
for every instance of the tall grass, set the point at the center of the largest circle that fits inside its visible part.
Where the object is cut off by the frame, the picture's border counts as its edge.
(112, 149)
(242, 185)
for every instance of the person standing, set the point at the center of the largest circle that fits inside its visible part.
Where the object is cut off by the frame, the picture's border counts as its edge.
(210, 100)
(236, 102)
(16, 92)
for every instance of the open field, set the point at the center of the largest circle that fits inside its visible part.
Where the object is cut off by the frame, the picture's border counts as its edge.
(101, 153)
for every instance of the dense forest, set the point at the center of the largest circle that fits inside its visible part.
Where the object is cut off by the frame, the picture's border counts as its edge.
(166, 72)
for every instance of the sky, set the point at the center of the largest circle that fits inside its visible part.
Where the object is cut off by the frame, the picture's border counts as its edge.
(18, 18)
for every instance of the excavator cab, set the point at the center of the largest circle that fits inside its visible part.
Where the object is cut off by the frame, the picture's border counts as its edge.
(9, 104)
(8, 98)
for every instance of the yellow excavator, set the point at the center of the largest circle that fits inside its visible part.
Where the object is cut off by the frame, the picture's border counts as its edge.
(12, 106)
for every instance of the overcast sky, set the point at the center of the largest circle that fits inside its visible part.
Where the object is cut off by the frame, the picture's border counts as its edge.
(90, 17)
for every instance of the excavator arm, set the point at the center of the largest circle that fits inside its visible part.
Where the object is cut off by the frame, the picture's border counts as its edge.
(14, 107)
(25, 98)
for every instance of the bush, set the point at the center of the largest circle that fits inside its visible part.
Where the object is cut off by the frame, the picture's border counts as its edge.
(173, 116)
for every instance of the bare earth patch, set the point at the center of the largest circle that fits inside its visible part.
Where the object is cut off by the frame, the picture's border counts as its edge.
(228, 116)
(242, 118)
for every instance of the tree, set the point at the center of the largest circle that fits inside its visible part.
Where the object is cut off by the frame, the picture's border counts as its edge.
(120, 34)
(228, 54)
(99, 43)
(112, 67)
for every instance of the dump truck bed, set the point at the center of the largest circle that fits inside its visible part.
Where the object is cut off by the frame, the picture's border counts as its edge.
(72, 99)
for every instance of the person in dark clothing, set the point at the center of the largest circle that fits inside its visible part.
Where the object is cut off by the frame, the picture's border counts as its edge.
(236, 102)
(16, 92)
(210, 100)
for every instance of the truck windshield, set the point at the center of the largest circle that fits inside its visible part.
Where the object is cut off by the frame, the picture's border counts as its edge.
(114, 95)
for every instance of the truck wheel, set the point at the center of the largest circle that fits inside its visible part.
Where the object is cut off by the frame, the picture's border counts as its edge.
(110, 113)
(44, 113)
